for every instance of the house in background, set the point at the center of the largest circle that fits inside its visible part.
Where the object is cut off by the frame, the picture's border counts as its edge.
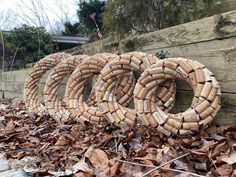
(66, 42)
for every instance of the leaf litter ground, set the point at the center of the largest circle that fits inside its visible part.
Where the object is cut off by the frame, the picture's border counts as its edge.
(42, 147)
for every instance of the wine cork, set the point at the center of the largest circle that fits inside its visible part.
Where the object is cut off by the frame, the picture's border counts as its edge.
(158, 76)
(128, 121)
(215, 102)
(170, 128)
(192, 79)
(162, 114)
(144, 119)
(219, 91)
(172, 65)
(140, 106)
(164, 131)
(198, 90)
(156, 70)
(158, 118)
(146, 105)
(137, 89)
(136, 60)
(143, 93)
(171, 72)
(134, 66)
(116, 118)
(151, 120)
(166, 97)
(191, 126)
(103, 107)
(182, 72)
(206, 121)
(178, 117)
(215, 83)
(185, 66)
(206, 112)
(106, 96)
(201, 107)
(151, 84)
(190, 116)
(194, 65)
(94, 119)
(200, 77)
(207, 75)
(169, 102)
(111, 107)
(216, 110)
(123, 100)
(124, 61)
(174, 123)
(212, 94)
(206, 89)
(185, 132)
(146, 80)
(131, 115)
(162, 92)
(110, 117)
(120, 115)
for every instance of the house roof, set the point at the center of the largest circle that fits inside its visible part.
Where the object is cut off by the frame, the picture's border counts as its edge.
(69, 39)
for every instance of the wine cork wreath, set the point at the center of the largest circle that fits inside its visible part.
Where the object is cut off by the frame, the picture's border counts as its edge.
(51, 90)
(205, 104)
(75, 86)
(31, 86)
(108, 105)
(114, 86)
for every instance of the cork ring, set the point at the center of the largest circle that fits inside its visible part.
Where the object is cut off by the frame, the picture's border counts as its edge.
(205, 104)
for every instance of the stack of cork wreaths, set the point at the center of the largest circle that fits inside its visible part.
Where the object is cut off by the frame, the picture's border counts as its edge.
(114, 86)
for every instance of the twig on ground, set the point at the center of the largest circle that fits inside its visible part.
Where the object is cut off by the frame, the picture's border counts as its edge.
(163, 168)
(158, 167)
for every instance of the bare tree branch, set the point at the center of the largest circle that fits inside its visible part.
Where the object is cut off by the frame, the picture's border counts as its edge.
(14, 57)
(40, 13)
(7, 18)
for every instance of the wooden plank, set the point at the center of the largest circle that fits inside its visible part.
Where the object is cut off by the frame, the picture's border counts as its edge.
(205, 29)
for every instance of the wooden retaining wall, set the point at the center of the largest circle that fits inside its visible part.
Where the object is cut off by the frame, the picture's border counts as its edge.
(211, 41)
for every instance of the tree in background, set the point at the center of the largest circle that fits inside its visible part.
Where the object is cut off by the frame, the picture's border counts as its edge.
(77, 29)
(29, 44)
(139, 16)
(89, 14)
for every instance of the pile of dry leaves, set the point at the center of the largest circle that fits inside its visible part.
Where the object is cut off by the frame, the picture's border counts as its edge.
(43, 147)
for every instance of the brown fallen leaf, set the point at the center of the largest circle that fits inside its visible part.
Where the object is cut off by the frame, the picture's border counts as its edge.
(131, 170)
(180, 165)
(201, 166)
(99, 159)
(234, 173)
(10, 127)
(62, 141)
(113, 168)
(225, 170)
(231, 159)
(83, 174)
(154, 173)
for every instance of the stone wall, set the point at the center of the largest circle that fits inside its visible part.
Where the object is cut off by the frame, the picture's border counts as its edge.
(211, 41)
